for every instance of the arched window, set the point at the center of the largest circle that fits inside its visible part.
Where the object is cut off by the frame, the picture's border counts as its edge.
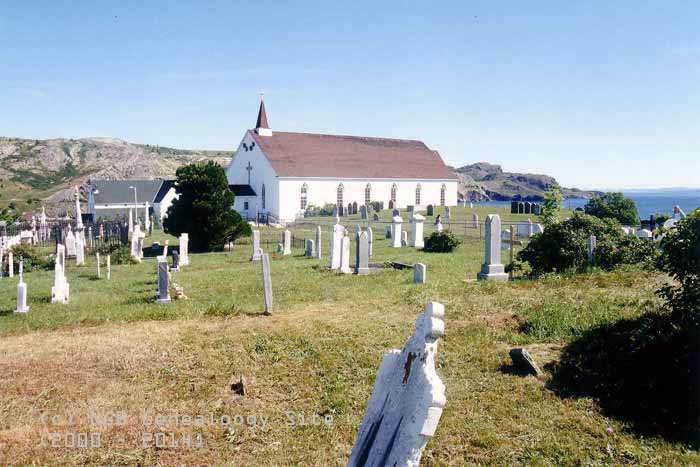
(263, 196)
(417, 194)
(393, 193)
(340, 197)
(442, 195)
(368, 194)
(304, 190)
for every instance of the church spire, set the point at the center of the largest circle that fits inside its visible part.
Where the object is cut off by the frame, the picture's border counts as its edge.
(261, 127)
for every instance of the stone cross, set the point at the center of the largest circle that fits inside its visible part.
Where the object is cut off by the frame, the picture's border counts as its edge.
(256, 246)
(362, 254)
(97, 263)
(370, 234)
(492, 269)
(163, 292)
(396, 232)
(184, 250)
(318, 242)
(310, 248)
(60, 291)
(417, 240)
(419, 273)
(407, 400)
(287, 243)
(475, 221)
(345, 255)
(267, 281)
(591, 243)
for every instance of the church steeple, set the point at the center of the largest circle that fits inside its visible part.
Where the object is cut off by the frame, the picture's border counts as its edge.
(261, 127)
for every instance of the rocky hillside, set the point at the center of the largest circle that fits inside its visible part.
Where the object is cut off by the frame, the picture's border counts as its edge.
(483, 182)
(34, 170)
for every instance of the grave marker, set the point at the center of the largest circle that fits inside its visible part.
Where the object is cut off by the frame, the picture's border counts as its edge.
(362, 254)
(345, 255)
(318, 242)
(310, 250)
(267, 281)
(287, 247)
(163, 292)
(184, 250)
(419, 273)
(417, 240)
(10, 264)
(591, 243)
(109, 267)
(370, 234)
(21, 291)
(492, 269)
(396, 232)
(97, 263)
(60, 291)
(256, 246)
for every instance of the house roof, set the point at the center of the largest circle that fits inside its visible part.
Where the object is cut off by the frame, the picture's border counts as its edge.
(119, 191)
(242, 190)
(163, 190)
(315, 155)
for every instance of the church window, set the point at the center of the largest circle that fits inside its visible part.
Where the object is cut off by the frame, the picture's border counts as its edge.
(417, 194)
(368, 193)
(245, 205)
(442, 195)
(263, 196)
(304, 190)
(393, 193)
(340, 197)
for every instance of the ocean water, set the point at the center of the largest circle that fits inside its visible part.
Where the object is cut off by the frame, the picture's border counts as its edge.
(648, 202)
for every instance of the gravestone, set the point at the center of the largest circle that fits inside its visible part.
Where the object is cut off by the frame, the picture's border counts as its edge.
(644, 233)
(447, 212)
(97, 263)
(109, 267)
(492, 269)
(354, 207)
(10, 264)
(163, 292)
(395, 212)
(91, 241)
(60, 291)
(345, 255)
(404, 238)
(287, 243)
(521, 207)
(396, 232)
(591, 243)
(407, 400)
(70, 243)
(370, 234)
(255, 256)
(2, 257)
(310, 250)
(475, 221)
(267, 281)
(349, 211)
(318, 242)
(363, 211)
(430, 210)
(79, 250)
(375, 217)
(336, 237)
(417, 239)
(387, 231)
(391, 204)
(184, 249)
(21, 291)
(438, 225)
(419, 273)
(523, 361)
(362, 254)
(176, 261)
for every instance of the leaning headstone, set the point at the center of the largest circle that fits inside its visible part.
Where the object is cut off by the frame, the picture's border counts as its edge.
(10, 264)
(163, 293)
(492, 269)
(336, 237)
(345, 255)
(417, 239)
(256, 246)
(60, 291)
(370, 234)
(310, 250)
(447, 212)
(287, 243)
(267, 281)
(522, 360)
(430, 210)
(591, 243)
(97, 264)
(318, 242)
(184, 249)
(362, 254)
(404, 238)
(396, 232)
(21, 291)
(407, 400)
(475, 221)
(419, 273)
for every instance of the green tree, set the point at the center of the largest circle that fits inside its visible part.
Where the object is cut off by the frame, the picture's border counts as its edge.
(613, 206)
(551, 206)
(204, 208)
(9, 214)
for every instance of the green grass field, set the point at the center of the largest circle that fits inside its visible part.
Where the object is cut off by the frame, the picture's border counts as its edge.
(113, 348)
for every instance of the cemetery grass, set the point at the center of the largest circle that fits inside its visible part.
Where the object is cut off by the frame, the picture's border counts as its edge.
(112, 348)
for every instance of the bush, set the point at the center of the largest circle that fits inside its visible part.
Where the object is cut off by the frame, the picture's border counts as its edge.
(316, 211)
(613, 206)
(563, 246)
(33, 259)
(441, 242)
(119, 254)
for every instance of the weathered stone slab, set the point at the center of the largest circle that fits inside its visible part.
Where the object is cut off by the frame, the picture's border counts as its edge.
(163, 293)
(267, 282)
(419, 273)
(310, 248)
(407, 400)
(184, 249)
(523, 361)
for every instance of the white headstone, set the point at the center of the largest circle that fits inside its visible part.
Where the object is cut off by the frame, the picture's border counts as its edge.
(70, 242)
(407, 400)
(256, 246)
(184, 250)
(475, 221)
(21, 293)
(60, 291)
(10, 264)
(336, 238)
(267, 281)
(318, 242)
(417, 239)
(492, 269)
(97, 264)
(109, 267)
(362, 254)
(370, 234)
(79, 249)
(396, 232)
(419, 273)
(287, 243)
(345, 255)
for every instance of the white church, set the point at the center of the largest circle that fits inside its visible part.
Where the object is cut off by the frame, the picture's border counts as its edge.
(281, 173)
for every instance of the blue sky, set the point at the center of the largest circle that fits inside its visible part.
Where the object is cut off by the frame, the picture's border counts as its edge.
(597, 94)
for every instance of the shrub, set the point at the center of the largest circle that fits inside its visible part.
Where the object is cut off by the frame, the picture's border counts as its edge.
(441, 242)
(551, 206)
(613, 206)
(316, 211)
(33, 259)
(563, 246)
(119, 254)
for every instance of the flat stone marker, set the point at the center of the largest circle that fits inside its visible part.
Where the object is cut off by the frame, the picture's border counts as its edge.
(60, 292)
(522, 360)
(419, 273)
(21, 292)
(267, 282)
(345, 255)
(255, 256)
(492, 269)
(318, 242)
(396, 232)
(310, 248)
(407, 400)
(362, 254)
(417, 239)
(287, 243)
(163, 294)
(591, 243)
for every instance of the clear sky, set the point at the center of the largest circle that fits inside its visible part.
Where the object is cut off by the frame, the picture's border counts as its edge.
(596, 93)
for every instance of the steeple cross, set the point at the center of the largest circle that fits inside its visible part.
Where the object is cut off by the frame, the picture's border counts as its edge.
(249, 168)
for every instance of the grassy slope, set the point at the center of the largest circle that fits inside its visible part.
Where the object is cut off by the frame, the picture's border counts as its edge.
(319, 353)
